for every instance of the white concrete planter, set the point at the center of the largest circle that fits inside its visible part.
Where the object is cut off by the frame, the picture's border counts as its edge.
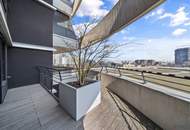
(79, 101)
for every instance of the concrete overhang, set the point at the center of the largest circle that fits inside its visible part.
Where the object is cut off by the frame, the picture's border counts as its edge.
(60, 6)
(57, 5)
(76, 5)
(122, 14)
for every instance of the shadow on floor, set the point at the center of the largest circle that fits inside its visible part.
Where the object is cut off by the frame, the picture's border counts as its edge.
(133, 118)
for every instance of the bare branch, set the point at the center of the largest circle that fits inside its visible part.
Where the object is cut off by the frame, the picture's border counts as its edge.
(88, 56)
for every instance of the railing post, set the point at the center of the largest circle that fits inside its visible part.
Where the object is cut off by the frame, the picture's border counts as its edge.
(142, 73)
(101, 72)
(44, 77)
(106, 69)
(119, 72)
(49, 75)
(60, 76)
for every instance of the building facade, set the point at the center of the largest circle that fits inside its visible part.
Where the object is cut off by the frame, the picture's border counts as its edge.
(182, 56)
(28, 36)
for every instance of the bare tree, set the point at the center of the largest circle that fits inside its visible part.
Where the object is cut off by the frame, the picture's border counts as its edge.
(87, 56)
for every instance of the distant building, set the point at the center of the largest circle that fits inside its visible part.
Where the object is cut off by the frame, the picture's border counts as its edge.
(127, 64)
(182, 56)
(110, 64)
(145, 62)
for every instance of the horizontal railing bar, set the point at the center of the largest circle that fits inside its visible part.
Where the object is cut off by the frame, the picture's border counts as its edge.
(141, 75)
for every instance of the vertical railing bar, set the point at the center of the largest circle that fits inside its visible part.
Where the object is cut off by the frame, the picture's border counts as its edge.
(60, 75)
(106, 69)
(47, 78)
(143, 77)
(101, 72)
(119, 72)
(51, 82)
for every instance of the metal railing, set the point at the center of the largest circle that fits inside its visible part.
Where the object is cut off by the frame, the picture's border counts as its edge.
(51, 77)
(168, 80)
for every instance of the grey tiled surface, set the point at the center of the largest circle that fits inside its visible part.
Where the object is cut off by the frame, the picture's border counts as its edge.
(32, 108)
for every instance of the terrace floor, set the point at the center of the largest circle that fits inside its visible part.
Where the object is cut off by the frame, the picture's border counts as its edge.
(33, 108)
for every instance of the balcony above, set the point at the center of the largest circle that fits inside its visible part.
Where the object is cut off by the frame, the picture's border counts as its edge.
(64, 6)
(62, 44)
(63, 38)
(63, 34)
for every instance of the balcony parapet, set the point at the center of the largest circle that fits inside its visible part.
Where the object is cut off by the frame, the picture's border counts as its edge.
(63, 7)
(167, 107)
(63, 44)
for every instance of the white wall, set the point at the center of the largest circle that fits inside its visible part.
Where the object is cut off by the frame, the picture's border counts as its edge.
(62, 59)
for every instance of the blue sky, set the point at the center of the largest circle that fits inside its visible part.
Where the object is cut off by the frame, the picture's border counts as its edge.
(154, 36)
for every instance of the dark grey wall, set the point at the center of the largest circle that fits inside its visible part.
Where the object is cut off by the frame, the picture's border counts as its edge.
(3, 59)
(22, 65)
(1, 78)
(30, 22)
(3, 70)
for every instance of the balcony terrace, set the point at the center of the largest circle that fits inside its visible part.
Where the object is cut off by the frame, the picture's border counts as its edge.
(32, 107)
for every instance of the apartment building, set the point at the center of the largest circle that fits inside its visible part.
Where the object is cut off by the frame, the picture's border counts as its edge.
(30, 32)
(182, 56)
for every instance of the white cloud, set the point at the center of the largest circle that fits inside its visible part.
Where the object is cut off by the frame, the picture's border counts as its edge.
(128, 39)
(179, 32)
(123, 31)
(178, 18)
(159, 11)
(187, 24)
(149, 40)
(181, 17)
(92, 8)
(160, 49)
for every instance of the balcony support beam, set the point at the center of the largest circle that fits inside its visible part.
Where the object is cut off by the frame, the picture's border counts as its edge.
(123, 14)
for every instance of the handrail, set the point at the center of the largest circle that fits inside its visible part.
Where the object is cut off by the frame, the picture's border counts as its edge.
(50, 78)
(140, 75)
(158, 73)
